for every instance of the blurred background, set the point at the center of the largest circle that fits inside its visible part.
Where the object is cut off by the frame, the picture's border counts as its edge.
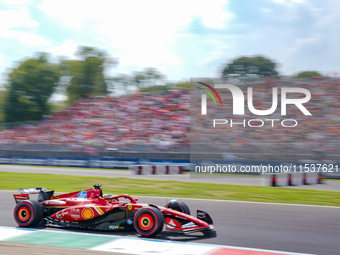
(111, 79)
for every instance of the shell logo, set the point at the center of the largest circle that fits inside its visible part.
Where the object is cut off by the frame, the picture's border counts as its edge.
(87, 213)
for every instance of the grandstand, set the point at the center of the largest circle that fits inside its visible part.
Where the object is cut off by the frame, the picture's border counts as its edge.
(129, 123)
(159, 125)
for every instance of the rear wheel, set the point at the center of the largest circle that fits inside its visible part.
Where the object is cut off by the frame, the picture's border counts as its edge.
(148, 221)
(28, 213)
(177, 205)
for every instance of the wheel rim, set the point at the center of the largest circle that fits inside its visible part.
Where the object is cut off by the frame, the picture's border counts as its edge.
(23, 213)
(145, 222)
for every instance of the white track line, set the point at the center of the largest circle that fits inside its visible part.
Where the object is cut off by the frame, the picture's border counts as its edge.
(142, 246)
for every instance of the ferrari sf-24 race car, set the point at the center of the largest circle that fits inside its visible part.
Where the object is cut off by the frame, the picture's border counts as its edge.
(92, 210)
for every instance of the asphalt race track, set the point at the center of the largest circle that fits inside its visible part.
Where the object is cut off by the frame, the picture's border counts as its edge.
(291, 228)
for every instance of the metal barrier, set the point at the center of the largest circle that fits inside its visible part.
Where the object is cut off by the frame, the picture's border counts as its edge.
(156, 169)
(292, 179)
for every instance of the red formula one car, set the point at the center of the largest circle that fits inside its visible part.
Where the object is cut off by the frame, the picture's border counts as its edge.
(92, 210)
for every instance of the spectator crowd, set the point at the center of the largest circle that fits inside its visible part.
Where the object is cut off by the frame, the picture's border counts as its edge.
(161, 122)
(133, 122)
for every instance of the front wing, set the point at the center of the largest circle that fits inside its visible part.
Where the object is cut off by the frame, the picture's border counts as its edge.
(181, 222)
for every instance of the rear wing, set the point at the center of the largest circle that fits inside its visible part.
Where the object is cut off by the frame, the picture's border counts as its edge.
(36, 190)
(44, 194)
(20, 197)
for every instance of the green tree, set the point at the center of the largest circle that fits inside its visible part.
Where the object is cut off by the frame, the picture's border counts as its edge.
(86, 75)
(149, 76)
(2, 101)
(29, 88)
(307, 74)
(121, 82)
(250, 67)
(183, 85)
(156, 88)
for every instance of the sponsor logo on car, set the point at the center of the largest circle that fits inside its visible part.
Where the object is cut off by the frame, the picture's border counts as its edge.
(20, 197)
(61, 214)
(201, 215)
(129, 221)
(113, 227)
(55, 203)
(87, 213)
(75, 216)
(82, 194)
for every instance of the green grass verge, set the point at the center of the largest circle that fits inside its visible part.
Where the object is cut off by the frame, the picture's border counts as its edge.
(67, 167)
(67, 183)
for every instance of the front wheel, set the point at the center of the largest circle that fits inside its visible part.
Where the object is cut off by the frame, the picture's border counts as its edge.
(28, 213)
(148, 221)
